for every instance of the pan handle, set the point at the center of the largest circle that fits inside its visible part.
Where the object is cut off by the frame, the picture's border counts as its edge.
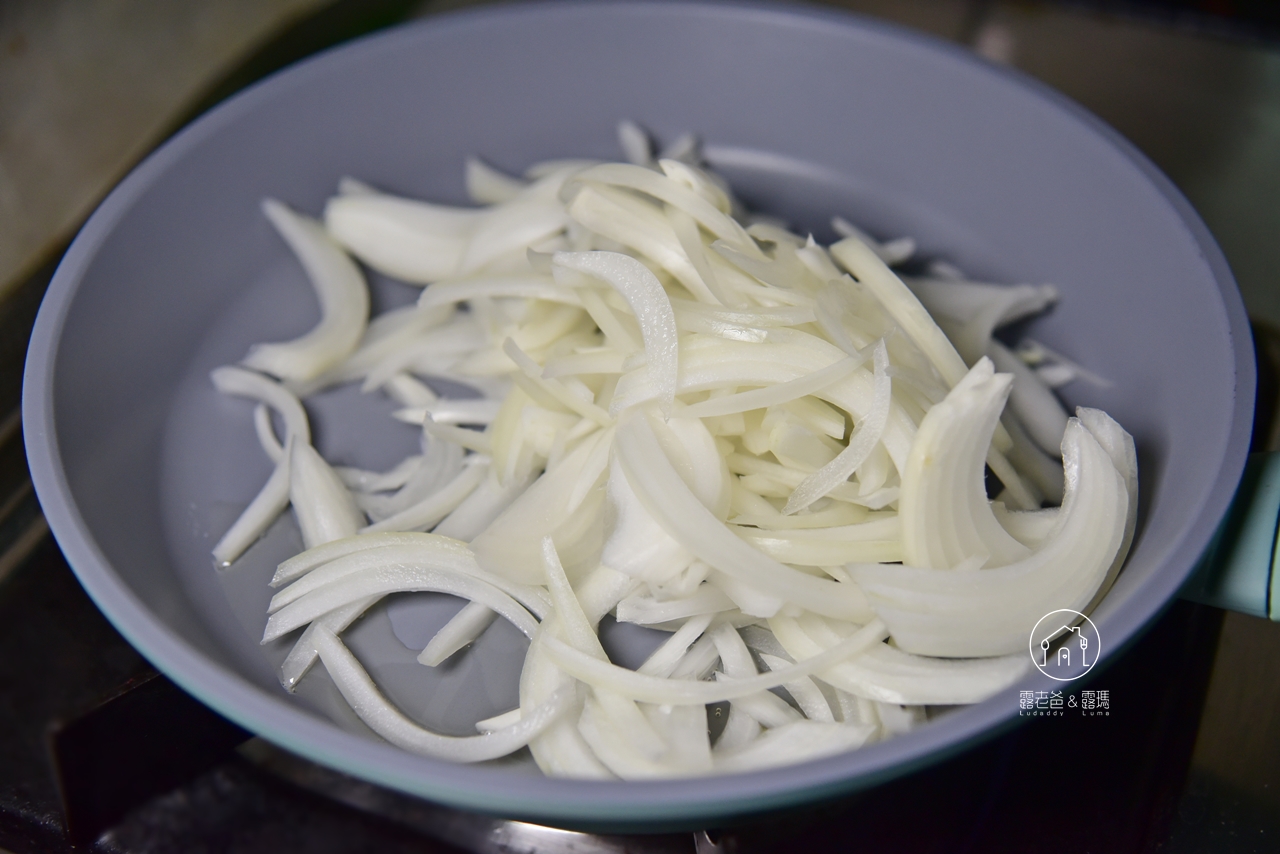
(1238, 568)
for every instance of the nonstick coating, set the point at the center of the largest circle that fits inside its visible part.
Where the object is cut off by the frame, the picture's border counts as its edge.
(140, 465)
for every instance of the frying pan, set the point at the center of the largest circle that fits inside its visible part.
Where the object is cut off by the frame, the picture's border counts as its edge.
(140, 465)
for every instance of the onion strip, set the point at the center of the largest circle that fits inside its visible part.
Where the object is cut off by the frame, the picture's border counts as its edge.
(652, 689)
(386, 721)
(692, 420)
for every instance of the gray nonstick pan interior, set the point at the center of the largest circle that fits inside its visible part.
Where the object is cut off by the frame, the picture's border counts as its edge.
(140, 464)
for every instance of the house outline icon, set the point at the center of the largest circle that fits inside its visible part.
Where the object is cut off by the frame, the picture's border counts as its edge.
(1063, 658)
(1090, 645)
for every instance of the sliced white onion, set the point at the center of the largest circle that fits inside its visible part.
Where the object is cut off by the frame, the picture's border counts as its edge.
(650, 305)
(972, 310)
(305, 652)
(373, 481)
(321, 502)
(778, 393)
(892, 252)
(388, 722)
(804, 691)
(693, 420)
(398, 578)
(677, 195)
(670, 502)
(430, 510)
(626, 220)
(986, 613)
(555, 503)
(478, 510)
(864, 440)
(316, 556)
(652, 689)
(463, 628)
(231, 379)
(413, 241)
(269, 503)
(344, 302)
(665, 658)
(523, 287)
(635, 143)
(860, 260)
(646, 611)
(438, 551)
(488, 186)
(890, 675)
(1031, 400)
(946, 517)
(799, 741)
(1124, 455)
(873, 541)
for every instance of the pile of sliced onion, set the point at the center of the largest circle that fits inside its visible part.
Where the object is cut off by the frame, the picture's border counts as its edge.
(695, 421)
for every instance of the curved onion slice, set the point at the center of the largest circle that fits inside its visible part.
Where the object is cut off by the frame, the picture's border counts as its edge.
(359, 480)
(561, 750)
(488, 186)
(304, 652)
(258, 516)
(463, 628)
(231, 379)
(946, 517)
(522, 287)
(717, 363)
(316, 556)
(652, 689)
(430, 510)
(1119, 446)
(891, 252)
(638, 546)
(344, 302)
(675, 507)
(1031, 400)
(321, 501)
(403, 577)
(511, 228)
(384, 719)
(970, 311)
(441, 552)
(877, 540)
(773, 395)
(796, 742)
(890, 675)
(650, 305)
(860, 260)
(672, 192)
(986, 612)
(554, 503)
(863, 441)
(626, 219)
(414, 241)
